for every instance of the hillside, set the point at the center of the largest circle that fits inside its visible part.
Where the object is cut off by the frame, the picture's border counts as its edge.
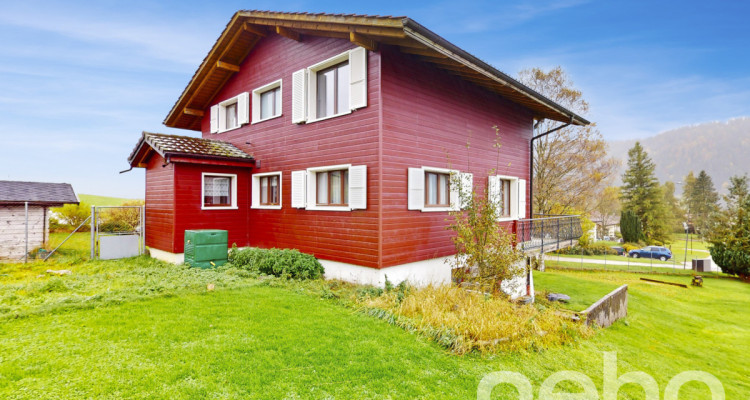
(95, 200)
(720, 148)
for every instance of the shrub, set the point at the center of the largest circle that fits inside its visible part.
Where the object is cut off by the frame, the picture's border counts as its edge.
(594, 249)
(630, 246)
(279, 262)
(630, 226)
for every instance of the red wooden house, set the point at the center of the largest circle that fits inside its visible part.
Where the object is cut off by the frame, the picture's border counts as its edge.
(336, 135)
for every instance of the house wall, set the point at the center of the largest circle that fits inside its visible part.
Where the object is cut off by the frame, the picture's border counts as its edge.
(160, 209)
(429, 116)
(280, 145)
(13, 230)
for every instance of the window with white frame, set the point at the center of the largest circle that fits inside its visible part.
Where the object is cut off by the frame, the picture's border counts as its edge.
(266, 190)
(267, 102)
(438, 189)
(509, 195)
(330, 88)
(230, 113)
(219, 191)
(331, 188)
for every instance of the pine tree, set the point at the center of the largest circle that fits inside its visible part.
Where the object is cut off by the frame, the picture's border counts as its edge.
(704, 201)
(630, 227)
(642, 194)
(730, 236)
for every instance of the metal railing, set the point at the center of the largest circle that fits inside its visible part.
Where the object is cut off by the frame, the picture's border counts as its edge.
(547, 232)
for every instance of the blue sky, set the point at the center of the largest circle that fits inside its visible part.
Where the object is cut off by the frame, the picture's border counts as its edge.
(80, 80)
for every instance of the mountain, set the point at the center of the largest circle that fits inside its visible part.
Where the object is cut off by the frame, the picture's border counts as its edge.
(720, 148)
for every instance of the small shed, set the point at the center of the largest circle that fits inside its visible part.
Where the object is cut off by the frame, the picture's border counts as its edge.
(40, 196)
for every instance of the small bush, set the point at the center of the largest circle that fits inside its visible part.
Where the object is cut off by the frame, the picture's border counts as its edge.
(278, 262)
(630, 246)
(593, 249)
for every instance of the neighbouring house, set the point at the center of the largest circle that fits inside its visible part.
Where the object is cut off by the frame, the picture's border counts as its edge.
(16, 198)
(338, 135)
(605, 226)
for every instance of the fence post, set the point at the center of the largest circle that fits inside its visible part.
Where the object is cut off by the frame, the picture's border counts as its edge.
(26, 253)
(93, 232)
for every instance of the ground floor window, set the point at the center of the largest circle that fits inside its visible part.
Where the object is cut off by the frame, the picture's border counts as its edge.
(437, 189)
(266, 190)
(332, 187)
(219, 190)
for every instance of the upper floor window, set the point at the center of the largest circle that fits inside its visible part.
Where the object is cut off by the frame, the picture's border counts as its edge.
(330, 188)
(267, 102)
(438, 189)
(332, 95)
(219, 191)
(330, 88)
(230, 113)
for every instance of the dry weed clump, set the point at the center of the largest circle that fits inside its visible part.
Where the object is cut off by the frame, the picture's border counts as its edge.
(474, 320)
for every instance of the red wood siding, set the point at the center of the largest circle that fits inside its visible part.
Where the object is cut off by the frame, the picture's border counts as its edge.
(280, 145)
(429, 116)
(160, 211)
(189, 213)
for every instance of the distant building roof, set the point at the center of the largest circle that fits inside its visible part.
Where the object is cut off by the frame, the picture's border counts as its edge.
(38, 193)
(171, 145)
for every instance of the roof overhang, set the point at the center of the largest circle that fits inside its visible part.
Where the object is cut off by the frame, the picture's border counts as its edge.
(145, 148)
(246, 28)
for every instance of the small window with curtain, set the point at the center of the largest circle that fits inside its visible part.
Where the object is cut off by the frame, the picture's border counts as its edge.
(266, 102)
(332, 187)
(230, 116)
(505, 198)
(218, 191)
(269, 190)
(437, 189)
(332, 85)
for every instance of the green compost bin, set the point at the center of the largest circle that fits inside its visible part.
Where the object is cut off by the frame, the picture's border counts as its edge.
(206, 248)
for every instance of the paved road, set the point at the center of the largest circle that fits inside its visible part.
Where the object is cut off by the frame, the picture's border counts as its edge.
(640, 263)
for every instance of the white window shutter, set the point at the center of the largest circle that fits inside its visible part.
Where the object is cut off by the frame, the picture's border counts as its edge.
(255, 192)
(521, 198)
(514, 199)
(299, 96)
(255, 108)
(358, 78)
(493, 191)
(456, 186)
(214, 118)
(312, 189)
(467, 188)
(358, 187)
(243, 108)
(299, 196)
(416, 189)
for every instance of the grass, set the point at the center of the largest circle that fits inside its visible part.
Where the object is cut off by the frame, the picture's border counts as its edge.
(270, 339)
(553, 263)
(94, 200)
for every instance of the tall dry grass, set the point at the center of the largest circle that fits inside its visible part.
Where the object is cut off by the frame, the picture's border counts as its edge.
(463, 320)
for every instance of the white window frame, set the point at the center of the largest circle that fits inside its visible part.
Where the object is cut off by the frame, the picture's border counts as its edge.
(452, 173)
(219, 115)
(233, 177)
(514, 200)
(255, 203)
(312, 188)
(312, 87)
(256, 104)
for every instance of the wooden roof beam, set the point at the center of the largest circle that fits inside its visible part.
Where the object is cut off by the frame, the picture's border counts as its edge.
(254, 29)
(192, 111)
(363, 41)
(227, 66)
(288, 33)
(422, 51)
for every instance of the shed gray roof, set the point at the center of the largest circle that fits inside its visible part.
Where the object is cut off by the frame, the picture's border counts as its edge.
(52, 194)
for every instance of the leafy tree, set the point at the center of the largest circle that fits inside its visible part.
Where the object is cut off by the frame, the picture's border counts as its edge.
(73, 214)
(630, 227)
(730, 236)
(703, 201)
(642, 194)
(608, 205)
(571, 166)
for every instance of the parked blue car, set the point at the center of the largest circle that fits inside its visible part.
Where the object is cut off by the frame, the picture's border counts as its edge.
(661, 253)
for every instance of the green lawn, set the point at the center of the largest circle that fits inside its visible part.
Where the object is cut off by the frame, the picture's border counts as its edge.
(267, 339)
(94, 200)
(670, 269)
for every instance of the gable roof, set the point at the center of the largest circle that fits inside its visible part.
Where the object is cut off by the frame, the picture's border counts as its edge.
(37, 193)
(174, 145)
(247, 27)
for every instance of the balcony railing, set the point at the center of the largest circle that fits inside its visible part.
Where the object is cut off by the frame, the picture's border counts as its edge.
(545, 233)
